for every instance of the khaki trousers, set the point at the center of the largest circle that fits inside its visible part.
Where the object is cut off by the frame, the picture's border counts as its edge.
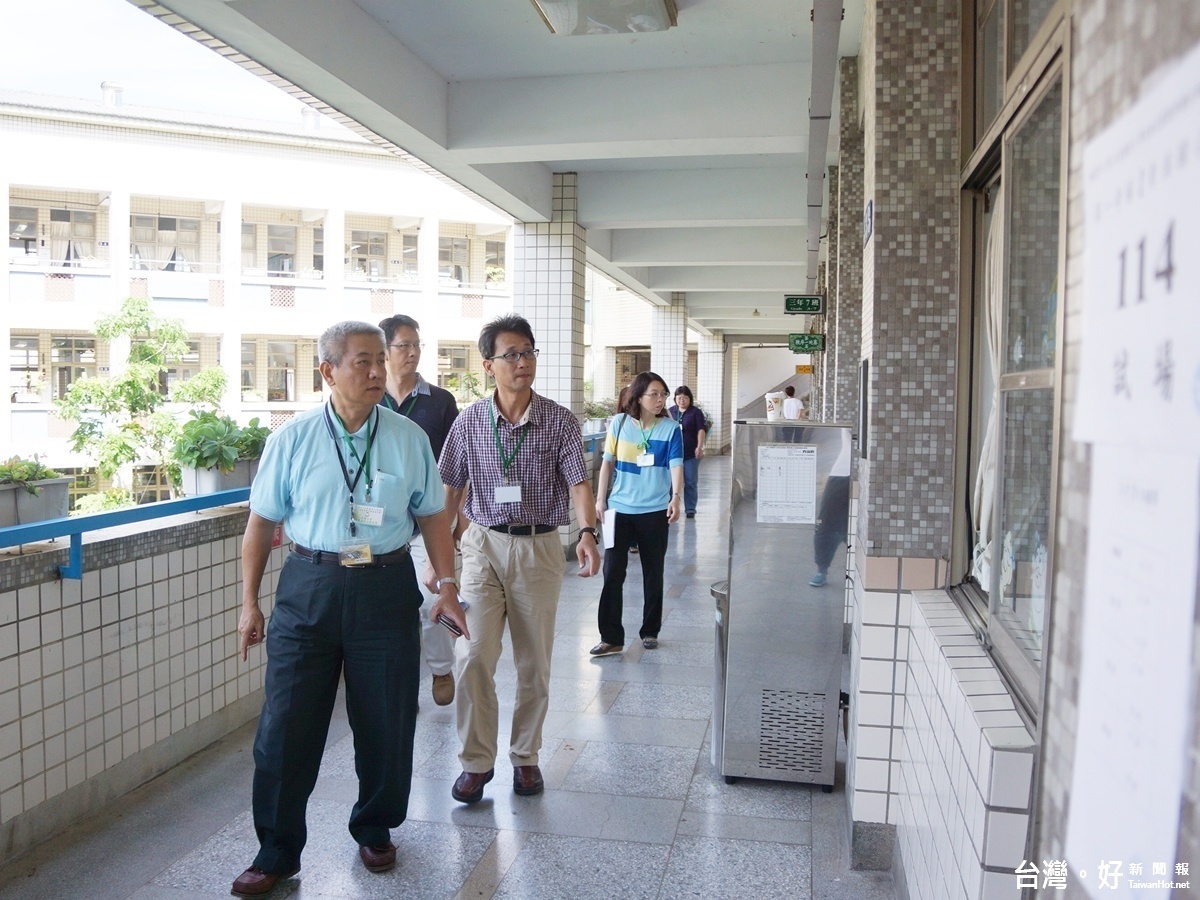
(515, 580)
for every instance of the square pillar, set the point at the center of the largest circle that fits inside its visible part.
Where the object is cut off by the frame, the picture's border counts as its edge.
(709, 388)
(668, 340)
(549, 267)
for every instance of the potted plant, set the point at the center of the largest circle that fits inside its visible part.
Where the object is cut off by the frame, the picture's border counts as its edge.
(214, 453)
(596, 414)
(31, 492)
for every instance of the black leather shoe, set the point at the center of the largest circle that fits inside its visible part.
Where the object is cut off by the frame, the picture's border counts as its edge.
(378, 859)
(527, 780)
(469, 786)
(254, 882)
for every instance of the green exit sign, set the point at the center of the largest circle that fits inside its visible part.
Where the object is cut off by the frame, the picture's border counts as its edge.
(810, 304)
(806, 343)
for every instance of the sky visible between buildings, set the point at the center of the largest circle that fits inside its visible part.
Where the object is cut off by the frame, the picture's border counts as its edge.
(68, 47)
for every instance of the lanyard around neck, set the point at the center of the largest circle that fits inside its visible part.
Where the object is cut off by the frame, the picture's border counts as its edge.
(364, 462)
(507, 459)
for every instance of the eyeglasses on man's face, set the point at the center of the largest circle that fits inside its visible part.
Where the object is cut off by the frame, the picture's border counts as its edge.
(512, 356)
(407, 346)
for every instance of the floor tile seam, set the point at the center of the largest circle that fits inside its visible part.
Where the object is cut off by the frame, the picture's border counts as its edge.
(486, 875)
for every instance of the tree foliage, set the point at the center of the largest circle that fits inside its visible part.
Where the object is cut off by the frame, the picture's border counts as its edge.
(126, 417)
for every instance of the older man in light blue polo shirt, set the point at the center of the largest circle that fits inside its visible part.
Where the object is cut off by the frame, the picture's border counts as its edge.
(347, 481)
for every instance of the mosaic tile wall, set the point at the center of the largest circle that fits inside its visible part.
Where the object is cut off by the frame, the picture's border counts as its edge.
(1118, 45)
(910, 279)
(668, 340)
(548, 289)
(109, 680)
(845, 233)
(825, 364)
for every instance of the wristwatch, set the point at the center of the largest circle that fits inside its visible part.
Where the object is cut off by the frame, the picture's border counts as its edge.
(588, 529)
(449, 579)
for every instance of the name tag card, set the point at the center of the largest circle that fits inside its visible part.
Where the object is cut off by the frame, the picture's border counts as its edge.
(508, 493)
(645, 459)
(366, 515)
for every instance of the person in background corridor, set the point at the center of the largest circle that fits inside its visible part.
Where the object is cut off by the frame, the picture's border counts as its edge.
(692, 421)
(435, 410)
(644, 449)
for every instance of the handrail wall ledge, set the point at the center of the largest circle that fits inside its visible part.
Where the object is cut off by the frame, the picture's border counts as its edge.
(76, 526)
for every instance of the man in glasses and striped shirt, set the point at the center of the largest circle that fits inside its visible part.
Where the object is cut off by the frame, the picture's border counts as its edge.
(521, 456)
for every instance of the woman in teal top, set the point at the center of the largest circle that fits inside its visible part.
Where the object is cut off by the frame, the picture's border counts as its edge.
(644, 449)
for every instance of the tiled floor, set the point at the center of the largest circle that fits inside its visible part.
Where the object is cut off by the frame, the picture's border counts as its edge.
(633, 807)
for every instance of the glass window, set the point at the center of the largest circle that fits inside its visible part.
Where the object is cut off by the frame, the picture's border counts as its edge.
(319, 249)
(169, 243)
(249, 368)
(281, 249)
(71, 358)
(493, 253)
(72, 236)
(368, 253)
(408, 256)
(281, 371)
(1027, 18)
(989, 62)
(24, 374)
(453, 260)
(249, 246)
(22, 231)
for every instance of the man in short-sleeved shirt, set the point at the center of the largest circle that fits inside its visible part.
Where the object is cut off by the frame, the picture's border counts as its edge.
(435, 410)
(347, 480)
(521, 455)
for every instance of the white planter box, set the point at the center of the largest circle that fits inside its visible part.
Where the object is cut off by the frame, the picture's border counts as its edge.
(19, 507)
(209, 481)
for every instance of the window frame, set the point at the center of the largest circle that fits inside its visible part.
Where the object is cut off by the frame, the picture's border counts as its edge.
(990, 161)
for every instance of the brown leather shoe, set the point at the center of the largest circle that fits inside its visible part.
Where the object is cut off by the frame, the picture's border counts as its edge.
(469, 786)
(527, 780)
(378, 859)
(254, 882)
(443, 689)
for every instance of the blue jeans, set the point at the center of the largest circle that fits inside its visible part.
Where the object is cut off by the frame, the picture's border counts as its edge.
(691, 475)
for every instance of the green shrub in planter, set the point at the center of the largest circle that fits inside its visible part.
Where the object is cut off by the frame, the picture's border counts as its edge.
(31, 492)
(24, 472)
(215, 453)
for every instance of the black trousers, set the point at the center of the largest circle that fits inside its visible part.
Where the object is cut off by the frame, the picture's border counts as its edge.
(832, 520)
(331, 621)
(649, 532)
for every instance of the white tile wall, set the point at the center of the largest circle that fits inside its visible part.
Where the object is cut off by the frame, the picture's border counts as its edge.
(965, 764)
(93, 672)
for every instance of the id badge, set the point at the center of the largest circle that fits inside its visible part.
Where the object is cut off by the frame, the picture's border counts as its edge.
(508, 493)
(645, 459)
(353, 553)
(363, 514)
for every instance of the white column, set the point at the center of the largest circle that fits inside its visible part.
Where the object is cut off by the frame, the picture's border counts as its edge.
(432, 311)
(335, 255)
(5, 335)
(118, 244)
(668, 340)
(709, 388)
(549, 265)
(231, 277)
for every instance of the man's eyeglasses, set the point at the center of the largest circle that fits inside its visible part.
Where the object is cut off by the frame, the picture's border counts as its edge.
(512, 356)
(406, 346)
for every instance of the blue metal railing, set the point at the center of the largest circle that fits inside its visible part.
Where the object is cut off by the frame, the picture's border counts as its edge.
(75, 526)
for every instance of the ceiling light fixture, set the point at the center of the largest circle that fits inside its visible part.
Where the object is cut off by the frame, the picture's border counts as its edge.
(607, 16)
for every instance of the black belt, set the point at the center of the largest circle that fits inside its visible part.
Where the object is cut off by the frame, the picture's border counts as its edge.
(523, 530)
(330, 557)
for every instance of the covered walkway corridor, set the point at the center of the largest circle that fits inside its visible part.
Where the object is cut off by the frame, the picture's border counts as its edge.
(633, 806)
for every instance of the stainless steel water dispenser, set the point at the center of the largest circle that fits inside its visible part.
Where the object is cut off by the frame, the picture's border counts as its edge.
(780, 638)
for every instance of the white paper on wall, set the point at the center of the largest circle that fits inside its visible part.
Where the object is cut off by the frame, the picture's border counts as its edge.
(1140, 369)
(1135, 672)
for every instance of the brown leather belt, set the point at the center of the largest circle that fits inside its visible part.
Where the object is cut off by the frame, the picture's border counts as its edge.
(522, 530)
(330, 557)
